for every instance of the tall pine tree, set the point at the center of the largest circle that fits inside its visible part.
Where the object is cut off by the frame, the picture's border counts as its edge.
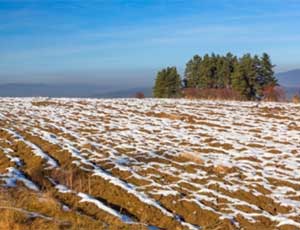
(267, 72)
(192, 72)
(167, 83)
(246, 77)
(204, 81)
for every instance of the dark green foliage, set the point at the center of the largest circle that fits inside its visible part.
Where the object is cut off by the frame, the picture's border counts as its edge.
(192, 74)
(247, 75)
(167, 83)
(213, 71)
(267, 71)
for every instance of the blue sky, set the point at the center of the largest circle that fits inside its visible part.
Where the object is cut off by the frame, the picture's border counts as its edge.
(86, 41)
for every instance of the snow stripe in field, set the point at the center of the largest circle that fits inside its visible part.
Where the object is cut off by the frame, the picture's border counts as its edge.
(35, 149)
(87, 198)
(100, 205)
(13, 175)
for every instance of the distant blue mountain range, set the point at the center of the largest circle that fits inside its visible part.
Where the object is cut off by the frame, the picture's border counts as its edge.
(289, 78)
(69, 90)
(48, 90)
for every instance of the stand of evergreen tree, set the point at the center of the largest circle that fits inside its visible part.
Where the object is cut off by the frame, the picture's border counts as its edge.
(167, 83)
(247, 75)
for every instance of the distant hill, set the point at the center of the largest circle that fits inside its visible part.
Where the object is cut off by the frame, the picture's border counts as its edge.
(48, 90)
(68, 90)
(290, 78)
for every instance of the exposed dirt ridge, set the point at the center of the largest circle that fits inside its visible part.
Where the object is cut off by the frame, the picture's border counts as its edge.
(149, 164)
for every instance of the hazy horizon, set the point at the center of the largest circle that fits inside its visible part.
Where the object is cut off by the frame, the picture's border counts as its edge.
(134, 78)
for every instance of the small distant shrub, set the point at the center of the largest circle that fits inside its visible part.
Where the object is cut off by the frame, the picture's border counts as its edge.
(139, 95)
(296, 99)
(273, 93)
(212, 94)
(191, 93)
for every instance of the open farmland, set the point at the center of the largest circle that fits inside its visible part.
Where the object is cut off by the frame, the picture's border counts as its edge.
(149, 164)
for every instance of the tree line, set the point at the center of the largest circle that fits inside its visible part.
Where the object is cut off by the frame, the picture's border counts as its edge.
(247, 75)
